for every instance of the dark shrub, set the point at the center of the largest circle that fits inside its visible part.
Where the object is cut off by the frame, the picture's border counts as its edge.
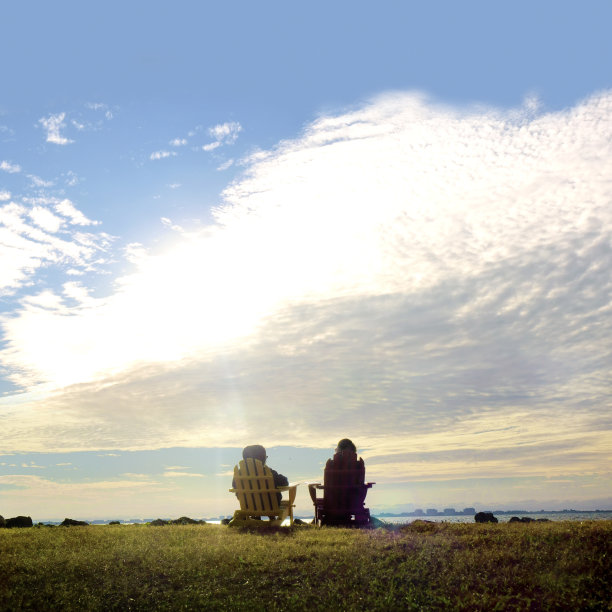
(19, 521)
(67, 522)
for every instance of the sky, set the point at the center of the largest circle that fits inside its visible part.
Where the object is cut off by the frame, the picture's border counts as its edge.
(283, 223)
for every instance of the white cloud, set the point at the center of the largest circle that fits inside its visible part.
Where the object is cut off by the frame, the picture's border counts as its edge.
(5, 195)
(162, 154)
(178, 142)
(224, 166)
(67, 209)
(45, 219)
(436, 279)
(99, 106)
(32, 238)
(71, 178)
(38, 182)
(226, 132)
(134, 252)
(223, 134)
(53, 125)
(173, 226)
(9, 167)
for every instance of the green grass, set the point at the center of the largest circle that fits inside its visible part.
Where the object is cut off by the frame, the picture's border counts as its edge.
(537, 566)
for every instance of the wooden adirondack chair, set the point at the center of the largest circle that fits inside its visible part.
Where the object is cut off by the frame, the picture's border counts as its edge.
(254, 487)
(344, 492)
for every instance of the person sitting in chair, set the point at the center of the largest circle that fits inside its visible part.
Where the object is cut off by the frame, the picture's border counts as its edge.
(257, 451)
(344, 489)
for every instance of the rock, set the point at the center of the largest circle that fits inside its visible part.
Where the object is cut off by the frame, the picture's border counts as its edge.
(485, 517)
(2, 522)
(115, 523)
(225, 521)
(19, 521)
(67, 522)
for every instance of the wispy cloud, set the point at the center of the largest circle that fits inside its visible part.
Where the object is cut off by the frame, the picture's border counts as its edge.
(223, 134)
(39, 182)
(224, 166)
(107, 496)
(39, 235)
(211, 146)
(162, 154)
(67, 209)
(168, 223)
(53, 125)
(437, 279)
(226, 132)
(9, 167)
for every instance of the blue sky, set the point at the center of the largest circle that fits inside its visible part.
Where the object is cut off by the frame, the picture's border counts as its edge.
(288, 223)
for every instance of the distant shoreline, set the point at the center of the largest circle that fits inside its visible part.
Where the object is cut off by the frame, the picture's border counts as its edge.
(471, 513)
(568, 514)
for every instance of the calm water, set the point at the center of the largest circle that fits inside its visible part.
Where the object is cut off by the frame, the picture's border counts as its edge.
(503, 518)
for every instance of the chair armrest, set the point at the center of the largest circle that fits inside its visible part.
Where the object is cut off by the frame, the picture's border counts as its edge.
(291, 489)
(312, 489)
(233, 490)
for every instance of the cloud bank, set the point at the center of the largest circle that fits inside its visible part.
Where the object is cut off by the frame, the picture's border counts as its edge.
(431, 281)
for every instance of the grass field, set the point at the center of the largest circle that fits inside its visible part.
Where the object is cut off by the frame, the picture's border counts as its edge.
(422, 566)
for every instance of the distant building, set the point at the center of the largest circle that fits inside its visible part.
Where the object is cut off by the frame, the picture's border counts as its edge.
(469, 511)
(450, 511)
(419, 512)
(432, 511)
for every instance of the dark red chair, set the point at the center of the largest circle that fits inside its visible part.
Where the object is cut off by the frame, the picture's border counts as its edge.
(344, 492)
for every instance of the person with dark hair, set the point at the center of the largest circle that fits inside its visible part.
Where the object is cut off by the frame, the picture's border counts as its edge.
(345, 444)
(257, 451)
(344, 489)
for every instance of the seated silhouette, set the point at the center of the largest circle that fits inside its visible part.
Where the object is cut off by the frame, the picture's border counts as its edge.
(259, 491)
(344, 489)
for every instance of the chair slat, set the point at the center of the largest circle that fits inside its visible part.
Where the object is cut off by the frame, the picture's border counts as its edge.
(257, 494)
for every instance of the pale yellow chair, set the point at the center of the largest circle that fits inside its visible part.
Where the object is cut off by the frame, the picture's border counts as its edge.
(254, 487)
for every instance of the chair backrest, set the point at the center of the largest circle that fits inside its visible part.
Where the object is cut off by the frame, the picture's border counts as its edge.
(343, 481)
(254, 484)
